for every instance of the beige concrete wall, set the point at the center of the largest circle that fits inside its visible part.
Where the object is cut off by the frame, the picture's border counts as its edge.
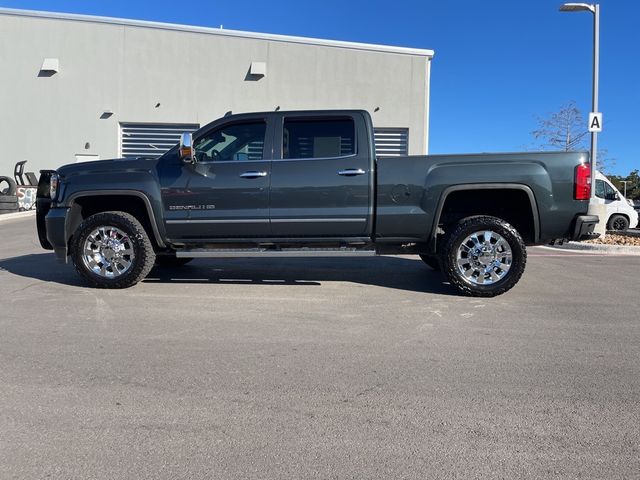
(196, 77)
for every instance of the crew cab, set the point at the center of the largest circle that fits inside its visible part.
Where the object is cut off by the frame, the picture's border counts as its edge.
(308, 183)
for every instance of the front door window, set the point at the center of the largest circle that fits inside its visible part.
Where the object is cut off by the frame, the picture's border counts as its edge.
(236, 142)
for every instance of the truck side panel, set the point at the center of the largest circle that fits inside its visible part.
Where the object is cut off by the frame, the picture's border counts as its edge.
(410, 189)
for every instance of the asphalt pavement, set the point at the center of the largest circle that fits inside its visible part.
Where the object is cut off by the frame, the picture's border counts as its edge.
(317, 368)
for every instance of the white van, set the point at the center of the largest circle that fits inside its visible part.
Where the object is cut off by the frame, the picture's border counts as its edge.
(620, 212)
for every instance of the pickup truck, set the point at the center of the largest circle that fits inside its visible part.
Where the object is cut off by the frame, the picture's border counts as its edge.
(308, 183)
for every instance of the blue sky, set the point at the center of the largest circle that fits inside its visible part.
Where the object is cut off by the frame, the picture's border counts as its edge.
(499, 63)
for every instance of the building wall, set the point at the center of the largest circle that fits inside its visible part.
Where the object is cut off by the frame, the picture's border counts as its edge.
(195, 77)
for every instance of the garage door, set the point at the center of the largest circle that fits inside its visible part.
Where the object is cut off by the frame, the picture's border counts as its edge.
(151, 139)
(391, 142)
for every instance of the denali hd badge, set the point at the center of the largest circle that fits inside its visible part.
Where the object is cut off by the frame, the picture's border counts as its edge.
(192, 207)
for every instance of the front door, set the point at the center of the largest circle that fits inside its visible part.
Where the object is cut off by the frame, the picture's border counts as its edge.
(225, 193)
(321, 177)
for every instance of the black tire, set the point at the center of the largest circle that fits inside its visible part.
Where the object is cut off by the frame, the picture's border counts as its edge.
(453, 241)
(171, 261)
(618, 223)
(432, 261)
(143, 258)
(10, 189)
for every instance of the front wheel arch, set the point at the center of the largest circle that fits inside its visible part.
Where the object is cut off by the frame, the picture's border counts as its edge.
(85, 203)
(611, 223)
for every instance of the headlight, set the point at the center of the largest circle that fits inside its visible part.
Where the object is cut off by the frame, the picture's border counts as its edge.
(630, 202)
(54, 182)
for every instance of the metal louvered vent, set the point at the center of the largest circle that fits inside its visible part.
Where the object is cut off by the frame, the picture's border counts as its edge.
(255, 150)
(151, 139)
(391, 142)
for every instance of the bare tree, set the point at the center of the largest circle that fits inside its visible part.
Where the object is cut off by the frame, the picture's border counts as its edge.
(563, 130)
(567, 130)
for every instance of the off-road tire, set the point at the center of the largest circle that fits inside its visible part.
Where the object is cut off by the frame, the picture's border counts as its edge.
(618, 223)
(432, 261)
(465, 227)
(144, 254)
(171, 261)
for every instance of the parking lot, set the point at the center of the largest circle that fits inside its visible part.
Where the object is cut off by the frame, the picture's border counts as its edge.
(317, 368)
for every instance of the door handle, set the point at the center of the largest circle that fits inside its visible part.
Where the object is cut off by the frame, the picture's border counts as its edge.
(253, 174)
(350, 172)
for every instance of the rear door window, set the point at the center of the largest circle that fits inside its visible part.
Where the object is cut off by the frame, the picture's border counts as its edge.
(313, 138)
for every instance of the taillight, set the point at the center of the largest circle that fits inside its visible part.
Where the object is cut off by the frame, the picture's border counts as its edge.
(583, 182)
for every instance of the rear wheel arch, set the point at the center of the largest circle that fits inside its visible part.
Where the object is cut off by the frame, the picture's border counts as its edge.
(517, 195)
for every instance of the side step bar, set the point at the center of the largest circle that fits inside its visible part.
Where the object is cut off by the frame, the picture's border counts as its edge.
(266, 252)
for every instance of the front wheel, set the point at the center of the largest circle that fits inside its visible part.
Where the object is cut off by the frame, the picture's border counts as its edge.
(112, 250)
(483, 256)
(618, 223)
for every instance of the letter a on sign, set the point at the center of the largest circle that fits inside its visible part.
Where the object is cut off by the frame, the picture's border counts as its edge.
(595, 122)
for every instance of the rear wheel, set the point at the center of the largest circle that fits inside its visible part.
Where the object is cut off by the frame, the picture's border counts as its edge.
(112, 250)
(618, 223)
(483, 256)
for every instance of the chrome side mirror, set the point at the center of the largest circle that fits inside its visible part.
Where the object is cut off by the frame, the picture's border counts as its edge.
(186, 151)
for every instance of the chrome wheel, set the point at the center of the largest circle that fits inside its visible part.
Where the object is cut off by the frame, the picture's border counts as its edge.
(484, 258)
(108, 252)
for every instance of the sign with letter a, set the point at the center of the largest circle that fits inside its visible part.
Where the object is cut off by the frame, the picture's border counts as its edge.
(595, 122)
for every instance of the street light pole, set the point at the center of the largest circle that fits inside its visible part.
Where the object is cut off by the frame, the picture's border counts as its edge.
(595, 9)
(594, 99)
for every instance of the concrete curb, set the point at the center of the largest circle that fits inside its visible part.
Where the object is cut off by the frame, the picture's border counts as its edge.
(16, 216)
(595, 248)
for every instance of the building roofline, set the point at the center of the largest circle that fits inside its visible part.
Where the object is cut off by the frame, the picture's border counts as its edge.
(216, 31)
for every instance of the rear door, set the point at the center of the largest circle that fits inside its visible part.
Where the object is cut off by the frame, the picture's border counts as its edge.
(321, 177)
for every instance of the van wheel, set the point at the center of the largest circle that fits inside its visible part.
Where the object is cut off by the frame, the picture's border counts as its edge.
(112, 250)
(619, 223)
(483, 256)
(431, 260)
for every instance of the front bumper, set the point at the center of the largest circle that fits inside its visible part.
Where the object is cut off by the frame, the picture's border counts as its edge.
(52, 231)
(585, 224)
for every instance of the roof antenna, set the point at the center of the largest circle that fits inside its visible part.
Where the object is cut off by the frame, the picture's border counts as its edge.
(228, 113)
(277, 108)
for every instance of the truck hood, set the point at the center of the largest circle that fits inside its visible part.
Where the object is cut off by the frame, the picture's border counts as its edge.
(115, 165)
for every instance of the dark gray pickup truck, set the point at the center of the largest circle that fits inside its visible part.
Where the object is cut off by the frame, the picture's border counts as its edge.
(281, 184)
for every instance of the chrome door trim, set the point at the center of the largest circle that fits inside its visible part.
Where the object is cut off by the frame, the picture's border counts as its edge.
(310, 220)
(231, 220)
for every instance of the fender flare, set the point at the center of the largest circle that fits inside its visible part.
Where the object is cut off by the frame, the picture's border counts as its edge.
(484, 186)
(134, 193)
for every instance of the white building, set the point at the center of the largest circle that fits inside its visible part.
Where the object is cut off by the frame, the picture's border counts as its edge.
(76, 87)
